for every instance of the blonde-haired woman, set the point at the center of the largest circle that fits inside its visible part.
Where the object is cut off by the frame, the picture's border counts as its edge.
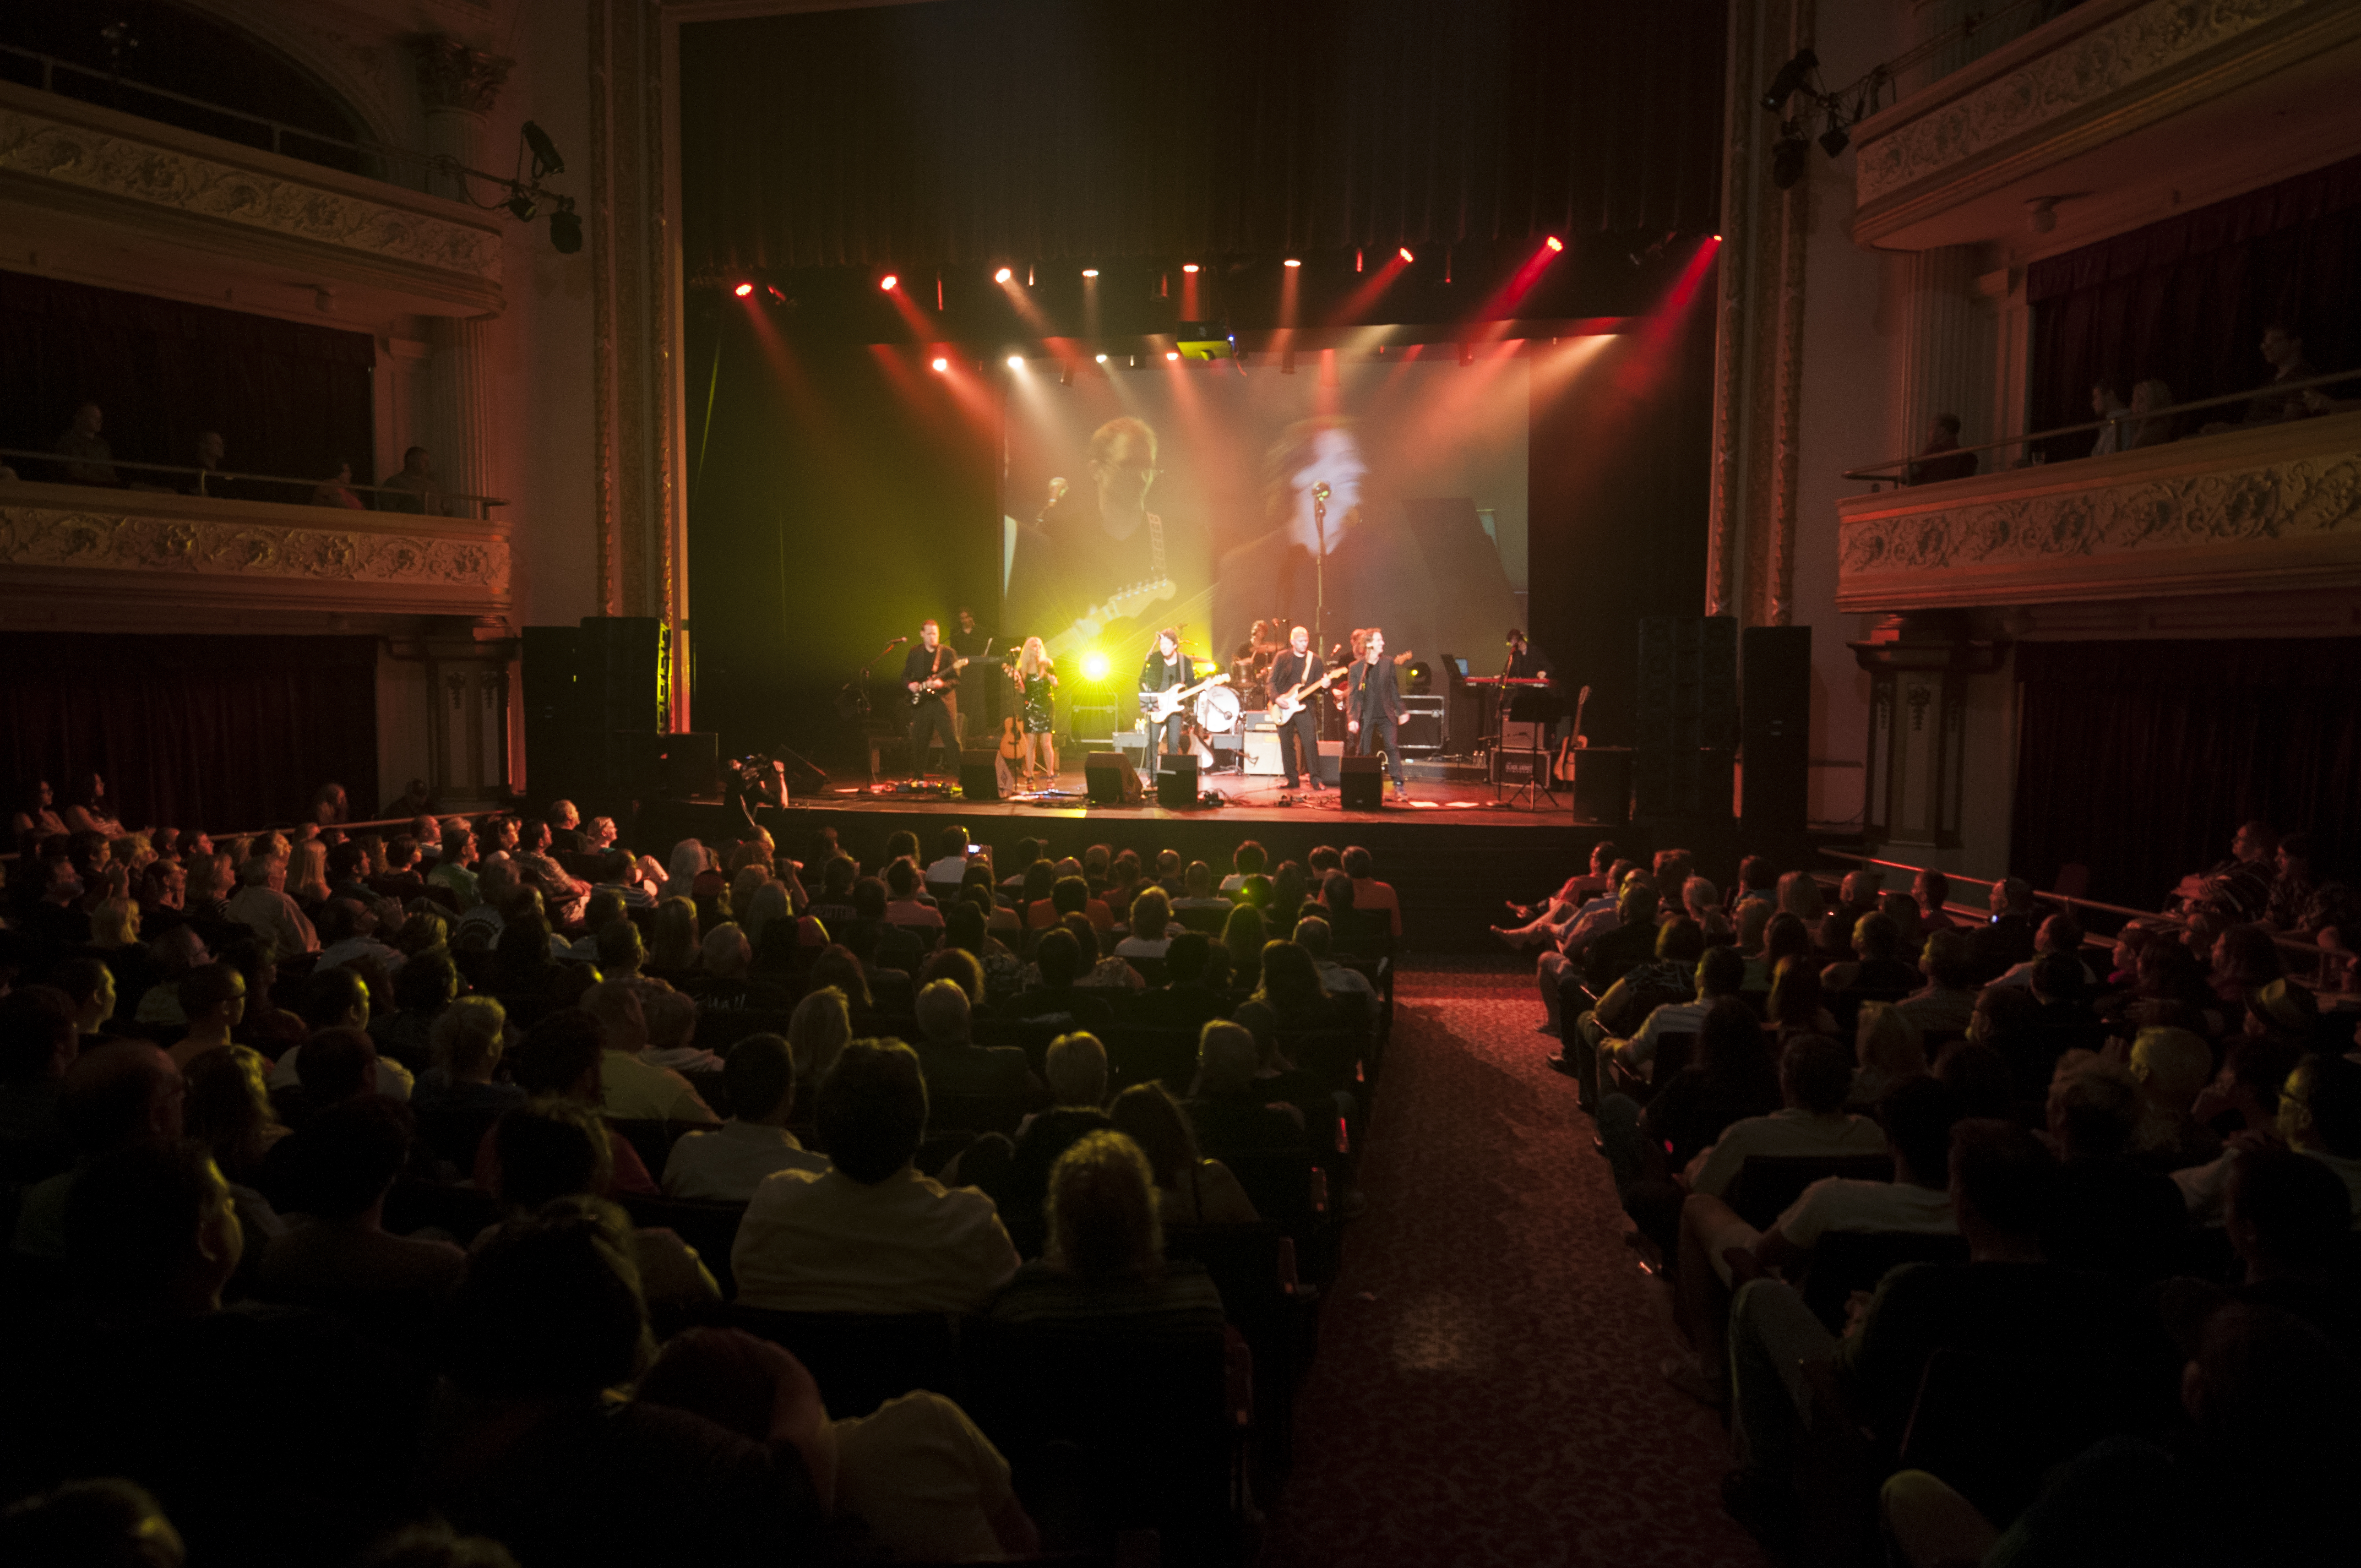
(1036, 682)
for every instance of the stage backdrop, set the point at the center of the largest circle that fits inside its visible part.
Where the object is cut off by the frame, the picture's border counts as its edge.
(1185, 496)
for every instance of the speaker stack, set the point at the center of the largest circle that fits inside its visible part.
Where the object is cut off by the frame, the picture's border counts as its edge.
(1687, 718)
(1775, 726)
(598, 697)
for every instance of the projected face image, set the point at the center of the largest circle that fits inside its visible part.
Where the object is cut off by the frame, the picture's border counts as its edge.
(1334, 459)
(1124, 470)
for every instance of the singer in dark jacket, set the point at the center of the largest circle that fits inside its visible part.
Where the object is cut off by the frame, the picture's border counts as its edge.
(1373, 710)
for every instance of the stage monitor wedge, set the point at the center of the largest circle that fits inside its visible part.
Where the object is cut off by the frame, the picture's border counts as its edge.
(1110, 779)
(1176, 783)
(1361, 784)
(979, 775)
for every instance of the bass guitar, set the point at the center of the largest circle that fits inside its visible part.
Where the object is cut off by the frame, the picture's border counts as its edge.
(936, 681)
(1158, 707)
(1569, 749)
(1293, 700)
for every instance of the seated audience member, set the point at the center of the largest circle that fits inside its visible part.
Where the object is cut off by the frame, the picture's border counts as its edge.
(463, 1053)
(1099, 973)
(1719, 974)
(870, 1234)
(1313, 936)
(2006, 1302)
(674, 951)
(2171, 1067)
(212, 999)
(1948, 998)
(1076, 1068)
(399, 880)
(2239, 888)
(966, 930)
(92, 459)
(1197, 888)
(90, 992)
(1887, 1052)
(2319, 1116)
(903, 907)
(727, 1164)
(342, 1257)
(1631, 942)
(427, 984)
(2301, 904)
(1794, 1006)
(1248, 859)
(2149, 425)
(1185, 1000)
(550, 1317)
(339, 999)
(453, 868)
(1814, 1077)
(2283, 350)
(1370, 896)
(2290, 1221)
(621, 954)
(263, 906)
(950, 1061)
(1625, 1006)
(1061, 961)
(89, 1524)
(560, 1059)
(1227, 1106)
(1243, 936)
(1877, 970)
(2059, 934)
(548, 1151)
(2108, 404)
(1289, 986)
(1190, 1188)
(1918, 1116)
(1152, 927)
(271, 1438)
(2110, 1215)
(915, 1482)
(37, 1047)
(1105, 1263)
(947, 870)
(1941, 458)
(632, 1089)
(722, 985)
(1932, 889)
(111, 1098)
(672, 1031)
(1551, 917)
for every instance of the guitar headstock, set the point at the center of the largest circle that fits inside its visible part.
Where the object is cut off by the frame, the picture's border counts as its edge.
(1125, 603)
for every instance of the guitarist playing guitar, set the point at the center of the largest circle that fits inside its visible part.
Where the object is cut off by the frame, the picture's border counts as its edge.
(1163, 676)
(1295, 675)
(928, 670)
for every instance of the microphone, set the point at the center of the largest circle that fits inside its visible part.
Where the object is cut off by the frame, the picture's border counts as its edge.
(897, 639)
(1320, 491)
(1056, 491)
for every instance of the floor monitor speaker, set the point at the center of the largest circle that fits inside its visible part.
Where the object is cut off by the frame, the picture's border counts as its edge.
(1176, 783)
(1111, 779)
(1361, 783)
(979, 776)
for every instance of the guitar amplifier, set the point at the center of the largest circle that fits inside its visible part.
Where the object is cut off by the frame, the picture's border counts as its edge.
(1422, 730)
(1523, 735)
(1262, 754)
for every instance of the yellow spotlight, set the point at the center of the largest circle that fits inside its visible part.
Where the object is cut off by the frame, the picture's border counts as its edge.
(1094, 666)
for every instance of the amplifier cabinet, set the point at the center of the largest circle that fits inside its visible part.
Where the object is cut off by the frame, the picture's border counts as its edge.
(1422, 730)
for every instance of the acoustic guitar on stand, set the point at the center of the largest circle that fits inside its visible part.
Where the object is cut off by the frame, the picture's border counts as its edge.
(1568, 748)
(1158, 707)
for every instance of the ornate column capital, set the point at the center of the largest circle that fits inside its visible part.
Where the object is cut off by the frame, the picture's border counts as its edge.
(453, 76)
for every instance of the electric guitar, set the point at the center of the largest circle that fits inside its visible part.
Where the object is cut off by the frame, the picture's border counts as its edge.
(1293, 700)
(1158, 707)
(1124, 604)
(1563, 769)
(935, 682)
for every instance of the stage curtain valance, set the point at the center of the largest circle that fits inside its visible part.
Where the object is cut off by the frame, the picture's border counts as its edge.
(2140, 758)
(288, 397)
(915, 135)
(213, 732)
(2185, 301)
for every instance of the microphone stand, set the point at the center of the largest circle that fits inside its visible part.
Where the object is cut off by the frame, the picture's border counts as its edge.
(1319, 562)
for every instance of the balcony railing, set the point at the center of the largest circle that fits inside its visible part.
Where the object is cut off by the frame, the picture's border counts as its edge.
(220, 484)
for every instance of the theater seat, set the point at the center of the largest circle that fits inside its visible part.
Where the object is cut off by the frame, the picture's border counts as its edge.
(1766, 1184)
(862, 1359)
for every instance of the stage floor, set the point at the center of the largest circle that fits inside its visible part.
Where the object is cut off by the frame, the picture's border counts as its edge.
(1242, 798)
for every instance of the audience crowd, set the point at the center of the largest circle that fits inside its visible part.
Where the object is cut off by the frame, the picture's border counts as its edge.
(484, 1192)
(1994, 1241)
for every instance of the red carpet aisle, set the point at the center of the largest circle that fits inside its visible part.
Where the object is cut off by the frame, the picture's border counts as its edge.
(1486, 1390)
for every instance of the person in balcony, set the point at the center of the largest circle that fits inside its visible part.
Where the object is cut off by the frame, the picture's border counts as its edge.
(1933, 467)
(91, 457)
(210, 480)
(421, 491)
(335, 491)
(2108, 405)
(2148, 428)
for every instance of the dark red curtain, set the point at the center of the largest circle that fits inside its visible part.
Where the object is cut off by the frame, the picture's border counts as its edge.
(965, 131)
(2185, 301)
(213, 732)
(2139, 760)
(288, 397)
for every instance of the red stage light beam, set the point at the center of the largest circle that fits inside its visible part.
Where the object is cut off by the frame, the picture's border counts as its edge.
(1357, 307)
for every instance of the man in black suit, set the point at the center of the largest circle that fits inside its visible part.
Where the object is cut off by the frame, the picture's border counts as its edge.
(1166, 669)
(929, 674)
(1299, 734)
(1373, 710)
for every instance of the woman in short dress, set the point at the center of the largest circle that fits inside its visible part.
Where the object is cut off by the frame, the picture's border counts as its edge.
(1036, 678)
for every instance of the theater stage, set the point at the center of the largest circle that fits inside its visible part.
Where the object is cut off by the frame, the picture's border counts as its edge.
(1453, 851)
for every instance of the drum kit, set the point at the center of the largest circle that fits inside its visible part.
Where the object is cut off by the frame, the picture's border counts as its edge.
(1225, 710)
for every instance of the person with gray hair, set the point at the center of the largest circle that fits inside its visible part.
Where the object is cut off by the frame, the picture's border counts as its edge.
(263, 905)
(953, 1063)
(721, 983)
(1227, 1104)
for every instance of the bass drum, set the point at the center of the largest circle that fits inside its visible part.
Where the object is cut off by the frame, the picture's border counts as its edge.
(1218, 711)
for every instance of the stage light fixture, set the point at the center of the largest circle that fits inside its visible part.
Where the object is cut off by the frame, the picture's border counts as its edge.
(1554, 243)
(1090, 271)
(1171, 354)
(888, 282)
(1016, 362)
(743, 290)
(1290, 261)
(1094, 666)
(941, 364)
(1003, 276)
(1406, 257)
(1791, 79)
(1188, 267)
(1101, 359)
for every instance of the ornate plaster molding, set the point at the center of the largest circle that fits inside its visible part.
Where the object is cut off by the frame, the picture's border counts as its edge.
(96, 539)
(2134, 525)
(453, 76)
(2108, 59)
(154, 175)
